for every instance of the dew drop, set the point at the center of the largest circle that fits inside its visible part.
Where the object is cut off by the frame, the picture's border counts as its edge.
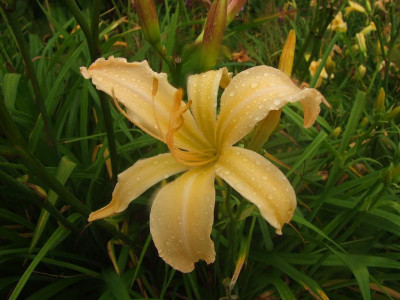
(247, 72)
(232, 94)
(277, 102)
(254, 85)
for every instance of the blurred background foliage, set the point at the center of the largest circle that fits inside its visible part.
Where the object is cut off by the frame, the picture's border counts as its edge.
(59, 135)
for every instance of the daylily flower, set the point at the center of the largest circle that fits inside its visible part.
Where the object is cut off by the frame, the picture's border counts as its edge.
(201, 145)
(338, 24)
(354, 6)
(367, 30)
(313, 69)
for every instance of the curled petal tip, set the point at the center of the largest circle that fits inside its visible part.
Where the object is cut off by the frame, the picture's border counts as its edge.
(84, 72)
(311, 106)
(278, 231)
(106, 211)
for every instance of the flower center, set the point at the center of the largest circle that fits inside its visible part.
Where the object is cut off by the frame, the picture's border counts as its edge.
(188, 157)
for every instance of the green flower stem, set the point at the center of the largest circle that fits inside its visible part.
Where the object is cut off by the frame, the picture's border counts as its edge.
(34, 165)
(12, 19)
(24, 192)
(84, 26)
(92, 38)
(94, 26)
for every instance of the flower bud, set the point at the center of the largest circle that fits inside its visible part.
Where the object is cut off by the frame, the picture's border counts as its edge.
(336, 132)
(234, 7)
(330, 65)
(364, 122)
(287, 56)
(354, 6)
(392, 114)
(213, 33)
(367, 30)
(361, 43)
(149, 22)
(362, 70)
(380, 101)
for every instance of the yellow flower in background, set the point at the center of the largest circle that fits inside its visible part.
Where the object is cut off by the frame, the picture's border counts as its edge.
(338, 24)
(201, 145)
(354, 7)
(313, 69)
(362, 70)
(367, 30)
(361, 43)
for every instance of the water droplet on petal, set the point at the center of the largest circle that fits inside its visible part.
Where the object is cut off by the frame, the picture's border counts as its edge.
(254, 85)
(232, 94)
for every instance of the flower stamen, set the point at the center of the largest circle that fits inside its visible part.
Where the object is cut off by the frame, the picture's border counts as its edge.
(116, 103)
(189, 157)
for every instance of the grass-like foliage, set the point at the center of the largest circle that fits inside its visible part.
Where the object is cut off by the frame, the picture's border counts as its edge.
(62, 144)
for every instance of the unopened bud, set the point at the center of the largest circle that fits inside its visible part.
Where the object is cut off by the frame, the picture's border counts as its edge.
(392, 114)
(149, 22)
(234, 7)
(336, 132)
(354, 6)
(367, 30)
(213, 33)
(287, 56)
(364, 122)
(380, 101)
(361, 43)
(368, 6)
(362, 70)
(330, 65)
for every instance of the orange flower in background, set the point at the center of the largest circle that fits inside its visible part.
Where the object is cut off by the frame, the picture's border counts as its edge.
(201, 146)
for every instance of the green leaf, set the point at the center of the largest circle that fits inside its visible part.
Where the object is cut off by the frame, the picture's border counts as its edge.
(64, 170)
(10, 89)
(57, 237)
(115, 286)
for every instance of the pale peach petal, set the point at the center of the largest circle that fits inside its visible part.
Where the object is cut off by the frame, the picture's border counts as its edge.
(252, 94)
(181, 219)
(260, 182)
(136, 180)
(203, 92)
(133, 85)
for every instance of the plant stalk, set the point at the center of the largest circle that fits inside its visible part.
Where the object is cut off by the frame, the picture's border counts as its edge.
(92, 38)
